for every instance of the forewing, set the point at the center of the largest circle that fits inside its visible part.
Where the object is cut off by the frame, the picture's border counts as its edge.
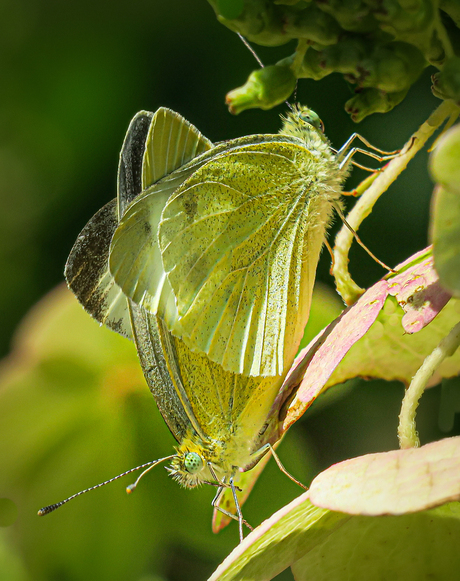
(146, 157)
(135, 258)
(87, 272)
(131, 158)
(238, 254)
(171, 142)
(87, 268)
(158, 374)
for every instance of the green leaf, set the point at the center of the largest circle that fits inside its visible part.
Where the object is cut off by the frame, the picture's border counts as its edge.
(396, 482)
(445, 210)
(325, 545)
(279, 541)
(401, 548)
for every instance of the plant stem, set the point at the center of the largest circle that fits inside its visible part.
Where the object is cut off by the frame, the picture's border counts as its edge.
(407, 432)
(298, 56)
(347, 288)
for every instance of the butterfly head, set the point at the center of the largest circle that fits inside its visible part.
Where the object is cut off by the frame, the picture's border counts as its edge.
(304, 123)
(192, 464)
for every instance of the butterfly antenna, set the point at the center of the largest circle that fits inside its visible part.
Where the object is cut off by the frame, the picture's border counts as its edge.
(295, 90)
(251, 50)
(261, 64)
(132, 487)
(51, 507)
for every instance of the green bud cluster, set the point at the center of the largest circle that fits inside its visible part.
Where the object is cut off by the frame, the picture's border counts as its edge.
(446, 83)
(379, 46)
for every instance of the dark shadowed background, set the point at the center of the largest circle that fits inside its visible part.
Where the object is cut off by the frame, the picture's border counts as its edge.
(72, 76)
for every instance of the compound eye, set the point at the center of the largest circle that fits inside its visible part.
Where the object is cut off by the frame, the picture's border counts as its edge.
(193, 462)
(313, 119)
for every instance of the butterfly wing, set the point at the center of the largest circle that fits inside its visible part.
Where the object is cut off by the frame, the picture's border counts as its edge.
(222, 401)
(135, 258)
(195, 395)
(87, 268)
(145, 159)
(87, 272)
(171, 143)
(131, 157)
(240, 241)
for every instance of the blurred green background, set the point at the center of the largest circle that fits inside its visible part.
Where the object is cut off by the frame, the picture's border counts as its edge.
(73, 406)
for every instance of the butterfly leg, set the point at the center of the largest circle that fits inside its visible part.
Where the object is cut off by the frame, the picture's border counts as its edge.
(238, 509)
(360, 242)
(283, 469)
(268, 447)
(239, 515)
(346, 153)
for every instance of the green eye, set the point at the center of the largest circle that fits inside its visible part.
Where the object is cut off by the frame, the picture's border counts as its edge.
(312, 119)
(193, 462)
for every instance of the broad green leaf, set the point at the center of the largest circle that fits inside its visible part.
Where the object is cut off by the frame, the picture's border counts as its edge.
(444, 166)
(396, 482)
(445, 209)
(401, 548)
(323, 545)
(280, 541)
(445, 236)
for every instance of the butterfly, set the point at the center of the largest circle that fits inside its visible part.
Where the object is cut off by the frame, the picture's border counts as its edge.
(233, 231)
(224, 250)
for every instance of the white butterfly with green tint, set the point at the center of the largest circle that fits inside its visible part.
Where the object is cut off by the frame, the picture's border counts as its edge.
(217, 417)
(225, 248)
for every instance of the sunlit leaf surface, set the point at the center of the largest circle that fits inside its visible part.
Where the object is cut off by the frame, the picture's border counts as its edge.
(396, 482)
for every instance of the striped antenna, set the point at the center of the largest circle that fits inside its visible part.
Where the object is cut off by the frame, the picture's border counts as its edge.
(261, 64)
(148, 465)
(251, 50)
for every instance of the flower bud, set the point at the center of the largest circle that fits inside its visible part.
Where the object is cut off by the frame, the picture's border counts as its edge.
(264, 88)
(446, 83)
(392, 68)
(370, 101)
